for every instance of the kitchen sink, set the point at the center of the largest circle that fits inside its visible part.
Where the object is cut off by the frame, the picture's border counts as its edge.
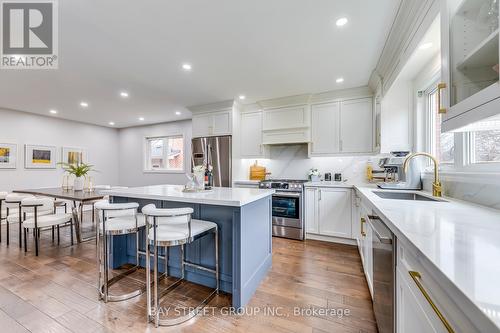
(405, 196)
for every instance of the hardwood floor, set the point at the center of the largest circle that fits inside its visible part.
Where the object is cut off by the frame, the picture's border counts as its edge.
(56, 292)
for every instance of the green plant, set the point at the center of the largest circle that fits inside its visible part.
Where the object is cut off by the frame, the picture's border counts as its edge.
(78, 169)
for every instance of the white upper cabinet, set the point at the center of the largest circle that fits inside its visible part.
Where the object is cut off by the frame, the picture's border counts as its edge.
(342, 127)
(470, 56)
(356, 126)
(212, 124)
(251, 135)
(324, 128)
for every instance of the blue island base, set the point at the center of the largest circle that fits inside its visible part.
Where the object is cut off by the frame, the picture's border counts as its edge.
(245, 246)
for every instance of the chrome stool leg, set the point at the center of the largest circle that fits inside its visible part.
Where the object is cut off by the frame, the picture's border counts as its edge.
(103, 245)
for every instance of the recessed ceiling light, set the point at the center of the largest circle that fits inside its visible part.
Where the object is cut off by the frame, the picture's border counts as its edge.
(84, 104)
(124, 94)
(242, 97)
(425, 46)
(178, 113)
(112, 123)
(141, 118)
(187, 67)
(53, 111)
(340, 80)
(341, 21)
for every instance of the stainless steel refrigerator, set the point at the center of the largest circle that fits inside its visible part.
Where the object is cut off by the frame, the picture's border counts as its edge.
(214, 151)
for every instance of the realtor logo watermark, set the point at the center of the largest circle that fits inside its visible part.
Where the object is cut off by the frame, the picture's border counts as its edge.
(29, 35)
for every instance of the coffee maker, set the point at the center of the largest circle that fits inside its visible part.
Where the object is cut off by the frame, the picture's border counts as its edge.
(400, 180)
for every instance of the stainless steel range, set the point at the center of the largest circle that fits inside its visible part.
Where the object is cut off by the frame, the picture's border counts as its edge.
(287, 207)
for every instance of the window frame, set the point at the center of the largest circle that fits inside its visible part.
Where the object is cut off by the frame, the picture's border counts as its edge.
(463, 141)
(146, 165)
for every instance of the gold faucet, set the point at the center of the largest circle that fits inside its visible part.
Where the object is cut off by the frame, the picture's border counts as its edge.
(436, 185)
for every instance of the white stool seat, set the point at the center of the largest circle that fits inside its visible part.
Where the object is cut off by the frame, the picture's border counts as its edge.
(177, 232)
(3, 195)
(47, 220)
(14, 218)
(124, 224)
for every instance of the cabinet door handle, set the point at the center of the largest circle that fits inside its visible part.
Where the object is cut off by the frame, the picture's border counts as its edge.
(363, 221)
(319, 192)
(416, 278)
(341, 145)
(440, 87)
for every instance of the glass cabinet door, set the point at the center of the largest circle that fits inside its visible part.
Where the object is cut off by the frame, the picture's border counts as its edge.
(473, 47)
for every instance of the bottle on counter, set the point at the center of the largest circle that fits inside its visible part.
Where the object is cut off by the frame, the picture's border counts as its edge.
(209, 178)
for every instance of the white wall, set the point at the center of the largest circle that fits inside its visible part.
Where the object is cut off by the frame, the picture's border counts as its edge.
(23, 128)
(131, 158)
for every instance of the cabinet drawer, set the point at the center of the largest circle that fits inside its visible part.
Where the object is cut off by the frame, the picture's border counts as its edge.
(429, 293)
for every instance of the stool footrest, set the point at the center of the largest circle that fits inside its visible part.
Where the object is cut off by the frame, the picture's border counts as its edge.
(192, 313)
(113, 280)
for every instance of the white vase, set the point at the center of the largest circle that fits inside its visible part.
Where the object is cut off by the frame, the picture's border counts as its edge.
(200, 179)
(78, 185)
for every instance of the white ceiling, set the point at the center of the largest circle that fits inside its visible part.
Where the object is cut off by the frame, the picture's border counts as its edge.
(260, 48)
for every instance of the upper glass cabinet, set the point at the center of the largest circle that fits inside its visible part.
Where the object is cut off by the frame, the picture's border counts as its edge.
(470, 53)
(473, 48)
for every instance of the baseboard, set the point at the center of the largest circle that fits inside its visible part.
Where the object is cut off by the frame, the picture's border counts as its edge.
(331, 239)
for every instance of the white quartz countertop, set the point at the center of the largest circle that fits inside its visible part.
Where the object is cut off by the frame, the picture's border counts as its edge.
(343, 184)
(246, 182)
(223, 196)
(460, 239)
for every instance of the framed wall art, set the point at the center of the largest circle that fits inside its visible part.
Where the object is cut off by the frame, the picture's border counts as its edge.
(8, 155)
(40, 157)
(73, 155)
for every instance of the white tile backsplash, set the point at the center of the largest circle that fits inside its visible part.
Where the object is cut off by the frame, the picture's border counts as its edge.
(291, 161)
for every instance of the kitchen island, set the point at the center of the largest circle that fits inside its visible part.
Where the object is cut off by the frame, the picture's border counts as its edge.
(243, 216)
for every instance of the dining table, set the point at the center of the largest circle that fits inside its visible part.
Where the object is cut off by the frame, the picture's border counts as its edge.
(78, 198)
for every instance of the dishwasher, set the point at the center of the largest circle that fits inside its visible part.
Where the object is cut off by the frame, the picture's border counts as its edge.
(384, 259)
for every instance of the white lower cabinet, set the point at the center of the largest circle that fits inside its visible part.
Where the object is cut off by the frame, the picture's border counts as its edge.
(311, 209)
(422, 303)
(413, 317)
(328, 211)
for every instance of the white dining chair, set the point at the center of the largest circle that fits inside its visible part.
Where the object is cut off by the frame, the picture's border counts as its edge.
(37, 219)
(3, 211)
(16, 214)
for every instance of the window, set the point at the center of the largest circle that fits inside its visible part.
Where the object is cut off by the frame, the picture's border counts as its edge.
(441, 145)
(165, 154)
(486, 146)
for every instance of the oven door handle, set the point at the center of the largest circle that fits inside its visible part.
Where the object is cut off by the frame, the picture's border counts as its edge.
(287, 194)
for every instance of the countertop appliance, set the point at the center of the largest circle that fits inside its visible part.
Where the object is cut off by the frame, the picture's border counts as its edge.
(287, 207)
(393, 166)
(384, 267)
(214, 151)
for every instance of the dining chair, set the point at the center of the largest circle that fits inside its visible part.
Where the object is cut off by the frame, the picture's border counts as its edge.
(3, 211)
(16, 213)
(38, 220)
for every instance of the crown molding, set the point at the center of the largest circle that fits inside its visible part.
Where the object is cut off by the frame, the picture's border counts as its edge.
(412, 20)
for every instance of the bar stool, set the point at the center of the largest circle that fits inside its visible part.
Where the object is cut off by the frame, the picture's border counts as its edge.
(116, 219)
(3, 211)
(37, 219)
(174, 227)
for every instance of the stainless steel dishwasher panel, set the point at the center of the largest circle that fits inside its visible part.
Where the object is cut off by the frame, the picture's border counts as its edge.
(383, 245)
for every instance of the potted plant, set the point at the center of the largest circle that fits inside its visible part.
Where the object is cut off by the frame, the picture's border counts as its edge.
(79, 170)
(314, 175)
